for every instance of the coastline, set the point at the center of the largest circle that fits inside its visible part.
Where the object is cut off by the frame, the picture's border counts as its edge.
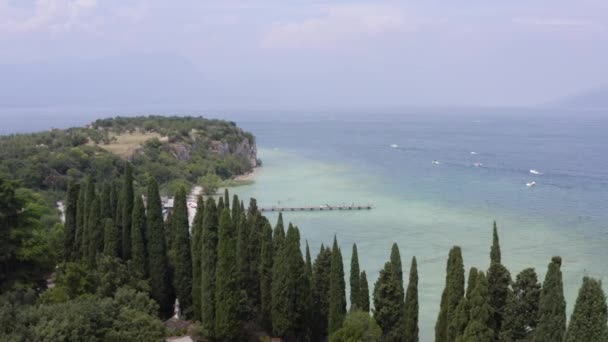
(248, 177)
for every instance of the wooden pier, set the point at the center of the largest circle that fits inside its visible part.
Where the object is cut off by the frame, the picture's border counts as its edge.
(318, 208)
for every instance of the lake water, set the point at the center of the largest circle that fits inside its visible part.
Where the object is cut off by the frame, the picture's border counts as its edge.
(386, 159)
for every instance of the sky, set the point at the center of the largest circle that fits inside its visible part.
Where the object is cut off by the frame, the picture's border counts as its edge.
(256, 54)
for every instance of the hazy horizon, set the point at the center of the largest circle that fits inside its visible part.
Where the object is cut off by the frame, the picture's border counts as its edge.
(302, 55)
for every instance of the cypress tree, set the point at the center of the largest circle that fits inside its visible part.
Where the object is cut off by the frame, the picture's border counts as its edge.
(197, 232)
(495, 250)
(588, 320)
(552, 306)
(209, 261)
(118, 225)
(160, 281)
(396, 263)
(227, 287)
(265, 276)
(499, 280)
(220, 206)
(138, 240)
(243, 265)
(181, 251)
(453, 292)
(521, 310)
(388, 305)
(308, 262)
(472, 281)
(337, 296)
(80, 222)
(226, 199)
(127, 211)
(479, 327)
(256, 223)
(363, 292)
(278, 236)
(113, 201)
(94, 232)
(71, 222)
(320, 293)
(461, 319)
(236, 209)
(110, 239)
(105, 204)
(89, 197)
(410, 326)
(354, 280)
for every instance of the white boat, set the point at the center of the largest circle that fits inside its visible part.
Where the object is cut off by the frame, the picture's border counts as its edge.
(474, 153)
(530, 184)
(394, 145)
(534, 172)
(477, 164)
(436, 162)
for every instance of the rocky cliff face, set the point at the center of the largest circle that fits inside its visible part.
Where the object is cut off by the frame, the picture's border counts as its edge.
(243, 149)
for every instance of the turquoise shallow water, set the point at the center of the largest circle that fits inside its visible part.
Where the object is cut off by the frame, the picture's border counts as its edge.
(427, 208)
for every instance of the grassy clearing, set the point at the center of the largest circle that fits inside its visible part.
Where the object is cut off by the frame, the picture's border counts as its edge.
(126, 144)
(233, 183)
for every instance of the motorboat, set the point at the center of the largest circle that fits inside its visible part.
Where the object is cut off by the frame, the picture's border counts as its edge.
(530, 184)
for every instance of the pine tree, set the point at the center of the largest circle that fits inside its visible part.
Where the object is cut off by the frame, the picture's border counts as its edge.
(354, 279)
(479, 327)
(127, 211)
(209, 261)
(521, 311)
(453, 292)
(588, 320)
(182, 281)
(499, 280)
(410, 333)
(363, 292)
(110, 239)
(227, 289)
(337, 296)
(138, 240)
(94, 233)
(278, 236)
(71, 222)
(160, 281)
(320, 293)
(197, 232)
(552, 306)
(266, 277)
(80, 222)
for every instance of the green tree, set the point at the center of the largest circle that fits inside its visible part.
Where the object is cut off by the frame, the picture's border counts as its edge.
(521, 311)
(118, 225)
(495, 250)
(452, 293)
(80, 222)
(388, 303)
(160, 281)
(209, 261)
(499, 280)
(210, 183)
(364, 292)
(354, 280)
(71, 223)
(236, 208)
(337, 296)
(278, 236)
(243, 265)
(266, 277)
(256, 223)
(182, 281)
(410, 333)
(138, 239)
(588, 320)
(94, 232)
(127, 211)
(106, 204)
(111, 239)
(358, 326)
(552, 306)
(320, 292)
(227, 287)
(472, 281)
(89, 197)
(479, 327)
(197, 242)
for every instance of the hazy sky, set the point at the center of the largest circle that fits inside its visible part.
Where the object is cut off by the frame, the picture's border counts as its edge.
(300, 54)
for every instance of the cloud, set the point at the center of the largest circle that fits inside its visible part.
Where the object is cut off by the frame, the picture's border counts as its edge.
(45, 15)
(337, 24)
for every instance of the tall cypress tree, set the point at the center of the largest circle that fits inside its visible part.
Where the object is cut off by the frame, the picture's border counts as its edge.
(461, 318)
(337, 296)
(94, 232)
(308, 262)
(71, 222)
(80, 222)
(160, 281)
(220, 206)
(495, 250)
(266, 277)
(118, 225)
(209, 261)
(363, 292)
(552, 306)
(226, 199)
(396, 263)
(182, 281)
(197, 240)
(110, 239)
(256, 223)
(88, 203)
(521, 310)
(138, 240)
(499, 280)
(105, 204)
(113, 201)
(453, 292)
(127, 211)
(479, 327)
(227, 290)
(354, 279)
(472, 281)
(236, 208)
(388, 299)
(243, 265)
(588, 320)
(278, 236)
(320, 293)
(410, 327)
